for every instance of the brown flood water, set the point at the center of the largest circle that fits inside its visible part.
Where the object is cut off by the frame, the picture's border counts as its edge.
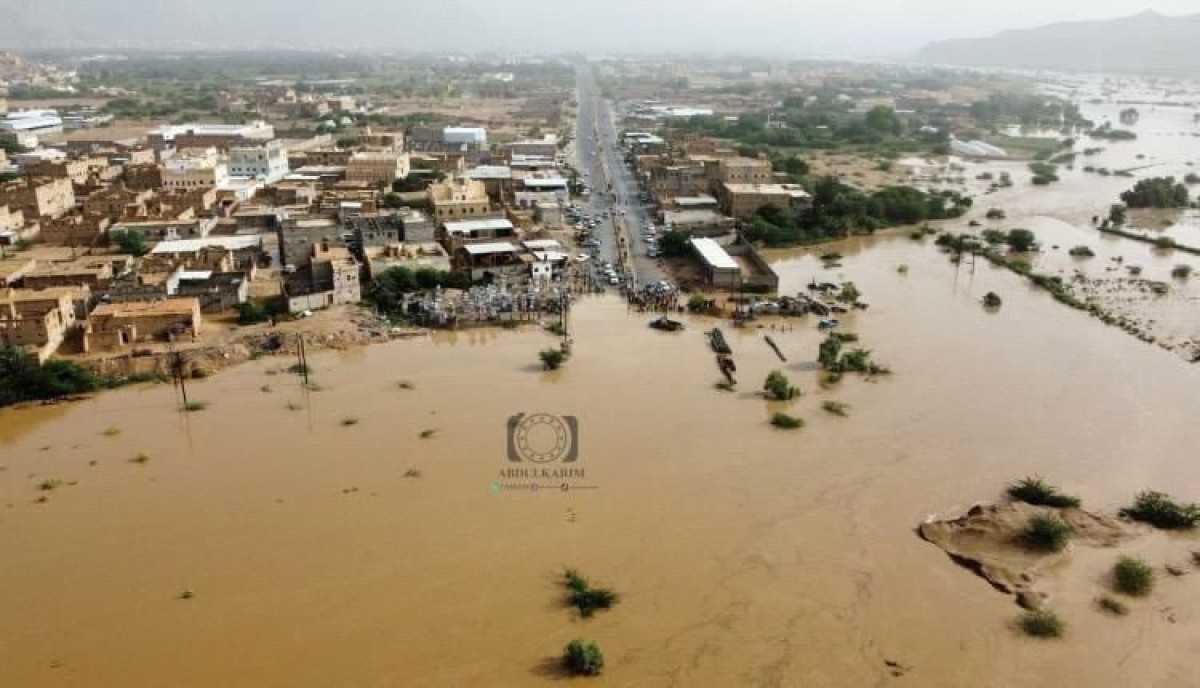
(745, 556)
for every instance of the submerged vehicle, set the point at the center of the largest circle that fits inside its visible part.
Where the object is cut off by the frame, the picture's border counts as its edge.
(666, 324)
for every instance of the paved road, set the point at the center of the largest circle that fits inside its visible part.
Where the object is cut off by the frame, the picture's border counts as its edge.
(601, 162)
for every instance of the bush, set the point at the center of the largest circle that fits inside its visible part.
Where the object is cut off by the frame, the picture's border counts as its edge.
(992, 300)
(1181, 271)
(23, 379)
(1164, 242)
(1041, 623)
(1157, 192)
(129, 241)
(583, 658)
(1112, 605)
(779, 388)
(1047, 532)
(786, 422)
(251, 313)
(1081, 252)
(1022, 240)
(1034, 490)
(586, 597)
(837, 408)
(1133, 576)
(996, 214)
(1161, 511)
(552, 359)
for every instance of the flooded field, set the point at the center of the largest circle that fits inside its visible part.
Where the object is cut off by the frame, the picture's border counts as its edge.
(266, 540)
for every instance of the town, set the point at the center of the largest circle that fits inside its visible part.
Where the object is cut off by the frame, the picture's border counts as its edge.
(464, 344)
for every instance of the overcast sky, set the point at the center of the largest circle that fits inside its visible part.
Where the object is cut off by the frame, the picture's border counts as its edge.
(802, 28)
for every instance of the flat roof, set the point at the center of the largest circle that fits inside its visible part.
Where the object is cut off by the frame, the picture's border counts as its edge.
(553, 181)
(230, 243)
(713, 254)
(133, 309)
(468, 226)
(541, 244)
(490, 172)
(792, 190)
(695, 200)
(199, 275)
(492, 247)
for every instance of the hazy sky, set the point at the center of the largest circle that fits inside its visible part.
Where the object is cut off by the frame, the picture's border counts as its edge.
(794, 27)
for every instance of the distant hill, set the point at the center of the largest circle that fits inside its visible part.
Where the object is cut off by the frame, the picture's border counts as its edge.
(1146, 43)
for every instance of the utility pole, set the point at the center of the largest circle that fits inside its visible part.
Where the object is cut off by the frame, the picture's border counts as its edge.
(176, 363)
(302, 358)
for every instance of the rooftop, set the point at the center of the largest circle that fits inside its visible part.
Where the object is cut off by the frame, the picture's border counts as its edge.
(229, 243)
(793, 190)
(468, 226)
(134, 309)
(712, 253)
(492, 247)
(542, 245)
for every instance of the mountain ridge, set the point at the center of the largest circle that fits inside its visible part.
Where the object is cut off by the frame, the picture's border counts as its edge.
(1147, 42)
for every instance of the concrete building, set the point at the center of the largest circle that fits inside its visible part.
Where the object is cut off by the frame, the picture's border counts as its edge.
(31, 123)
(473, 136)
(743, 200)
(39, 197)
(456, 234)
(38, 321)
(385, 141)
(219, 136)
(717, 267)
(744, 170)
(377, 168)
(330, 278)
(699, 222)
(487, 260)
(268, 162)
(546, 147)
(94, 272)
(195, 169)
(11, 220)
(456, 199)
(412, 255)
(113, 326)
(215, 254)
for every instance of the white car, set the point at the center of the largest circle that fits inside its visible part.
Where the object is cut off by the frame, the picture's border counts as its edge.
(614, 280)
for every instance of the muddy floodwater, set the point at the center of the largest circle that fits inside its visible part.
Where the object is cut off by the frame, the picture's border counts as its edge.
(263, 541)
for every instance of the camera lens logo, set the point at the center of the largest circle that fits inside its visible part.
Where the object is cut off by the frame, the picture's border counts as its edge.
(543, 438)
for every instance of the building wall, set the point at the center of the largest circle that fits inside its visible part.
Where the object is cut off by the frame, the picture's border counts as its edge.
(11, 219)
(38, 198)
(143, 176)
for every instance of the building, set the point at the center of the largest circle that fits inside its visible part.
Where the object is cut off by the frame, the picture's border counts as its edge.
(717, 267)
(412, 255)
(118, 202)
(381, 140)
(268, 162)
(699, 222)
(456, 199)
(297, 235)
(94, 272)
(215, 254)
(744, 200)
(546, 147)
(144, 176)
(330, 278)
(114, 326)
(39, 321)
(39, 197)
(472, 136)
(744, 170)
(216, 291)
(195, 169)
(219, 136)
(30, 123)
(466, 231)
(11, 220)
(485, 261)
(377, 168)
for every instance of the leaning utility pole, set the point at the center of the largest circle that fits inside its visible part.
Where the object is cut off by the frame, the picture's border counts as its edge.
(176, 364)
(302, 357)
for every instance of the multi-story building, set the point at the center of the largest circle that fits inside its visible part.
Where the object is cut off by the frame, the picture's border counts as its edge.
(381, 140)
(471, 136)
(743, 200)
(268, 162)
(30, 123)
(118, 202)
(377, 168)
(37, 320)
(74, 230)
(195, 169)
(744, 171)
(330, 278)
(39, 197)
(456, 199)
(74, 170)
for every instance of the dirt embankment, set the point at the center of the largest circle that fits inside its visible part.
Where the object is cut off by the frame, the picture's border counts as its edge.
(337, 328)
(988, 541)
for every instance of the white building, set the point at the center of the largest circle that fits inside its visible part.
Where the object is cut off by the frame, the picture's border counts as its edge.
(470, 135)
(195, 169)
(31, 123)
(268, 162)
